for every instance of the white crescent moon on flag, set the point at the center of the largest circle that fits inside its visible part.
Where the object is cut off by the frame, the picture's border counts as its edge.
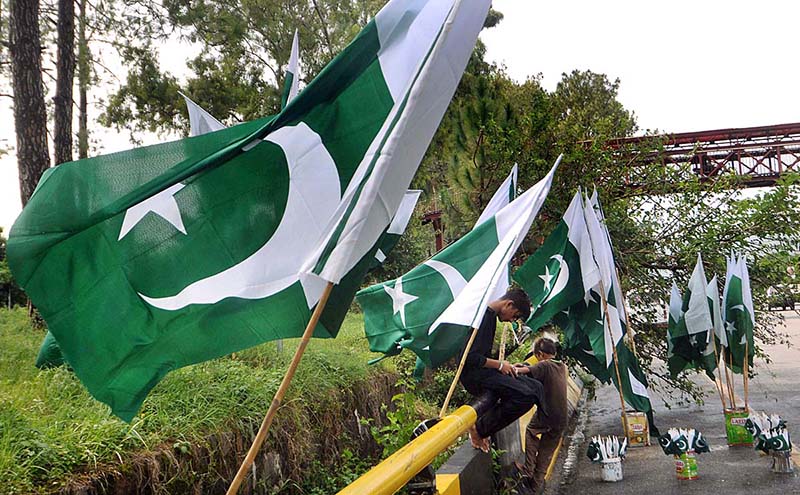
(314, 193)
(561, 281)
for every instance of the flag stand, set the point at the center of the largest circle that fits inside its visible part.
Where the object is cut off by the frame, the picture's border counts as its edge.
(458, 373)
(276, 401)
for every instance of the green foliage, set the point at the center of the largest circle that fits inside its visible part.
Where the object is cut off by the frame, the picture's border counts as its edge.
(241, 67)
(50, 427)
(402, 418)
(10, 293)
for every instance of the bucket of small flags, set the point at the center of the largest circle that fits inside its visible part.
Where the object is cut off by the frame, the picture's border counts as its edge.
(608, 452)
(684, 445)
(771, 437)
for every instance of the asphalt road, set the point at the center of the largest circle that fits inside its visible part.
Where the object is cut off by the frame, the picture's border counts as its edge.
(723, 471)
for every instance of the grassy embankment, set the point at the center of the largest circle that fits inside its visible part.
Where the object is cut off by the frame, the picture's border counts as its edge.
(50, 428)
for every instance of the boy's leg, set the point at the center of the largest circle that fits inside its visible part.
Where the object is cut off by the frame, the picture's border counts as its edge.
(547, 446)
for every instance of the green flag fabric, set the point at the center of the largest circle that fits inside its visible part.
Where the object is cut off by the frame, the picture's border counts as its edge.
(291, 81)
(691, 334)
(738, 314)
(562, 270)
(575, 322)
(431, 309)
(148, 260)
(634, 382)
(676, 361)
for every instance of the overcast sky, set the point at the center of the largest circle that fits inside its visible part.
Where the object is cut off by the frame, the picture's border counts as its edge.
(683, 65)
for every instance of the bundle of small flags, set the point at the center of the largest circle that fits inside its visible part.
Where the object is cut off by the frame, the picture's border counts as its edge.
(606, 449)
(769, 433)
(677, 441)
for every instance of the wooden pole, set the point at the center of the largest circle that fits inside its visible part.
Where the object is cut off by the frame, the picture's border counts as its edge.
(502, 353)
(631, 342)
(616, 359)
(746, 370)
(458, 373)
(729, 379)
(718, 382)
(276, 401)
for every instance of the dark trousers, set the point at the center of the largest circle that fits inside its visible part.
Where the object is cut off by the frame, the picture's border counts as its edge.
(515, 397)
(539, 453)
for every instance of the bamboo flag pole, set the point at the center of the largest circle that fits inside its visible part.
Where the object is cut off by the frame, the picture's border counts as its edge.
(276, 401)
(729, 379)
(746, 369)
(458, 373)
(616, 359)
(718, 382)
(502, 352)
(627, 321)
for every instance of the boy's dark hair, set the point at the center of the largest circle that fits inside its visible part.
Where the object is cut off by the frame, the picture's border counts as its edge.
(521, 301)
(545, 346)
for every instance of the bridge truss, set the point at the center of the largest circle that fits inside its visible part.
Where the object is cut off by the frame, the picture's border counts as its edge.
(759, 155)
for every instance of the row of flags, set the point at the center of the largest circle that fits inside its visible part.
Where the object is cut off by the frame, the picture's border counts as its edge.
(148, 260)
(573, 282)
(701, 328)
(570, 279)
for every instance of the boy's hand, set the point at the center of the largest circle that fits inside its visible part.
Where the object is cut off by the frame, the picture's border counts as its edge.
(521, 368)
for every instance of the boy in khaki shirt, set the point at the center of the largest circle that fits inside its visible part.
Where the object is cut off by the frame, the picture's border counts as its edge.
(553, 376)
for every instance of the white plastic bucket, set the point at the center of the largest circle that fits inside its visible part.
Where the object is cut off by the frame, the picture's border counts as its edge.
(611, 470)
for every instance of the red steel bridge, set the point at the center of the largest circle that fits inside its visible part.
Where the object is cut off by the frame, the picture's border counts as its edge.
(759, 155)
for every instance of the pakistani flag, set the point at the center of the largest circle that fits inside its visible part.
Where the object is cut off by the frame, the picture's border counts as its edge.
(575, 322)
(738, 314)
(562, 270)
(200, 121)
(716, 338)
(604, 338)
(504, 195)
(634, 382)
(616, 287)
(675, 362)
(432, 308)
(291, 81)
(692, 333)
(156, 258)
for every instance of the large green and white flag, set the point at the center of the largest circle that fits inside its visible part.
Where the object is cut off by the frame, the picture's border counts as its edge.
(615, 283)
(562, 270)
(613, 329)
(738, 314)
(434, 52)
(432, 308)
(156, 258)
(291, 81)
(200, 121)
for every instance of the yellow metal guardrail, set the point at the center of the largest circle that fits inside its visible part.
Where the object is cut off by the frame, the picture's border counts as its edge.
(394, 472)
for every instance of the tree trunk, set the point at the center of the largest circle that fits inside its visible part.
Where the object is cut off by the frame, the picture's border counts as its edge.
(83, 83)
(30, 116)
(65, 74)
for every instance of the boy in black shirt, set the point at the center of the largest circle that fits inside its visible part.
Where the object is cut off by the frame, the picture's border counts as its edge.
(484, 373)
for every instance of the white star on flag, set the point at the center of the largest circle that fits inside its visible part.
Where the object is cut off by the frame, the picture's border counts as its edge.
(399, 299)
(546, 278)
(162, 204)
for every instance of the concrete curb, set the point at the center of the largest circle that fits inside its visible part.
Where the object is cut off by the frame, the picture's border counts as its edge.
(569, 467)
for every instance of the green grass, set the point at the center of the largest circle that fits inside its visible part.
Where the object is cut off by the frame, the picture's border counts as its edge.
(50, 427)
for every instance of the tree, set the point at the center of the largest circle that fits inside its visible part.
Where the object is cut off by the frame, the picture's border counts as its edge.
(30, 116)
(65, 74)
